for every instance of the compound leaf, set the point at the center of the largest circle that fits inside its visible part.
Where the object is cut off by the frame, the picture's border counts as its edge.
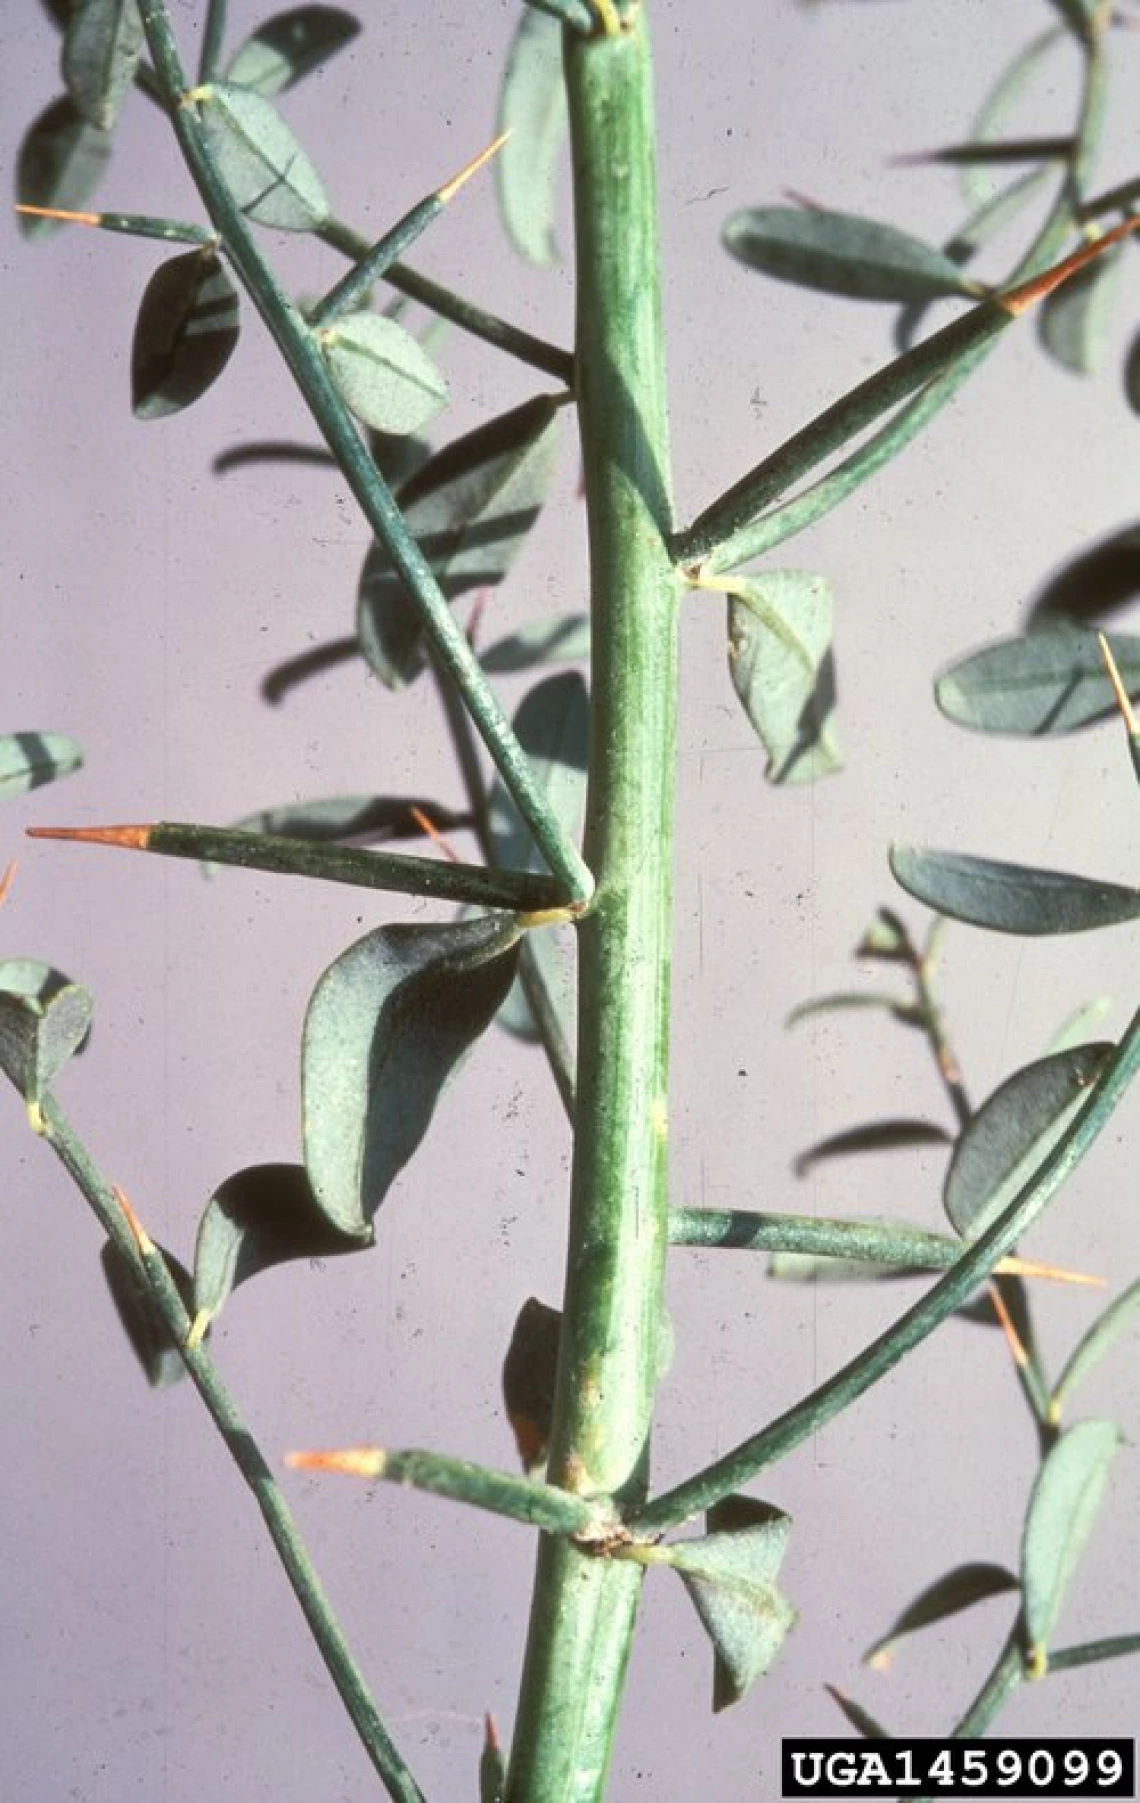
(186, 333)
(779, 656)
(260, 161)
(288, 46)
(841, 254)
(1010, 898)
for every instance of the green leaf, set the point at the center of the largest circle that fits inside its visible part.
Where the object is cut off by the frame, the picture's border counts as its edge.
(532, 108)
(841, 254)
(1010, 898)
(388, 1025)
(61, 160)
(529, 1371)
(30, 759)
(382, 373)
(186, 333)
(552, 724)
(779, 656)
(101, 51)
(1100, 1338)
(879, 1136)
(730, 1575)
(1048, 682)
(995, 109)
(289, 46)
(260, 161)
(1062, 1507)
(1073, 322)
(470, 508)
(1012, 1132)
(959, 1589)
(44, 1020)
(143, 1320)
(263, 1215)
(562, 640)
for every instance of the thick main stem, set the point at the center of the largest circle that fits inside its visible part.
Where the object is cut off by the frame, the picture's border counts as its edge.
(584, 1606)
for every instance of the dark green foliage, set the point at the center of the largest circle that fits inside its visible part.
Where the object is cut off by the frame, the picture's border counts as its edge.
(260, 161)
(1066, 1496)
(1010, 898)
(840, 254)
(44, 1021)
(289, 46)
(261, 1216)
(186, 332)
(61, 160)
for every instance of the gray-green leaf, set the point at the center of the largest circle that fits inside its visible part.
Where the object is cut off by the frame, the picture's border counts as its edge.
(779, 654)
(61, 160)
(260, 161)
(388, 1025)
(841, 254)
(1092, 1347)
(289, 45)
(44, 1019)
(533, 109)
(999, 103)
(1012, 1132)
(101, 52)
(730, 1575)
(959, 1589)
(1010, 898)
(1047, 682)
(1062, 1507)
(186, 333)
(261, 1216)
(1074, 320)
(30, 759)
(382, 373)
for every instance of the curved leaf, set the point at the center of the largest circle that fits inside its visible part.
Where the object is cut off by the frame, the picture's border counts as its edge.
(841, 254)
(186, 333)
(1101, 1337)
(1014, 1129)
(260, 161)
(562, 640)
(529, 1371)
(263, 1215)
(779, 657)
(959, 1589)
(387, 1026)
(878, 1136)
(1073, 321)
(730, 1575)
(101, 50)
(1047, 682)
(995, 109)
(30, 759)
(382, 373)
(1010, 898)
(1062, 1507)
(44, 1020)
(61, 160)
(532, 108)
(143, 1320)
(470, 508)
(552, 724)
(289, 45)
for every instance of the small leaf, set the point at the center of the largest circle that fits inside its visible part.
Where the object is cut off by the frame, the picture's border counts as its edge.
(470, 508)
(1073, 321)
(186, 332)
(101, 51)
(382, 373)
(879, 1136)
(1012, 1132)
(1062, 1507)
(529, 1371)
(995, 109)
(263, 1215)
(730, 1575)
(44, 1020)
(1101, 1337)
(841, 254)
(61, 160)
(30, 759)
(779, 655)
(552, 724)
(388, 1025)
(532, 108)
(564, 640)
(289, 46)
(143, 1320)
(1010, 898)
(260, 161)
(1047, 682)
(959, 1589)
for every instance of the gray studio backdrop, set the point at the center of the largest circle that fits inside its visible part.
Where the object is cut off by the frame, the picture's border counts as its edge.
(150, 1646)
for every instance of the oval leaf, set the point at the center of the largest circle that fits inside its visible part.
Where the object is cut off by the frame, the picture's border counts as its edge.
(101, 51)
(552, 724)
(388, 1025)
(30, 759)
(290, 45)
(779, 656)
(1012, 1132)
(260, 161)
(61, 160)
(529, 1371)
(1062, 1507)
(143, 1320)
(382, 373)
(1101, 1337)
(841, 254)
(959, 1589)
(261, 1216)
(186, 332)
(730, 1575)
(532, 108)
(1047, 682)
(564, 640)
(1010, 898)
(44, 1020)
(1074, 320)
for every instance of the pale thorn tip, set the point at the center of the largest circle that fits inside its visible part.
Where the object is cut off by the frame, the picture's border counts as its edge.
(142, 1238)
(353, 1461)
(450, 189)
(1123, 699)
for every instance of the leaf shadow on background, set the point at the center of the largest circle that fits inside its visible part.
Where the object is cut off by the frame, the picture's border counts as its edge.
(1097, 583)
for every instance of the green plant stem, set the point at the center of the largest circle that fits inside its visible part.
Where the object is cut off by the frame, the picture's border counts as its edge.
(542, 1506)
(912, 1249)
(837, 1393)
(352, 289)
(1121, 1646)
(476, 321)
(306, 363)
(151, 1267)
(213, 38)
(583, 1611)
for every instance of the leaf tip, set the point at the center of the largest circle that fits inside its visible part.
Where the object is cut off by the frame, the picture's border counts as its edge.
(133, 838)
(60, 213)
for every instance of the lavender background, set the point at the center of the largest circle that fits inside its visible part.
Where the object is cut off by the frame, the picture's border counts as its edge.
(151, 1648)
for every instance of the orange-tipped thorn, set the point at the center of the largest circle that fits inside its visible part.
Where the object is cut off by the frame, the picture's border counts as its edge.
(1013, 1338)
(428, 826)
(61, 213)
(1027, 1267)
(133, 838)
(1123, 698)
(1018, 299)
(142, 1238)
(6, 882)
(491, 1733)
(452, 187)
(354, 1461)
